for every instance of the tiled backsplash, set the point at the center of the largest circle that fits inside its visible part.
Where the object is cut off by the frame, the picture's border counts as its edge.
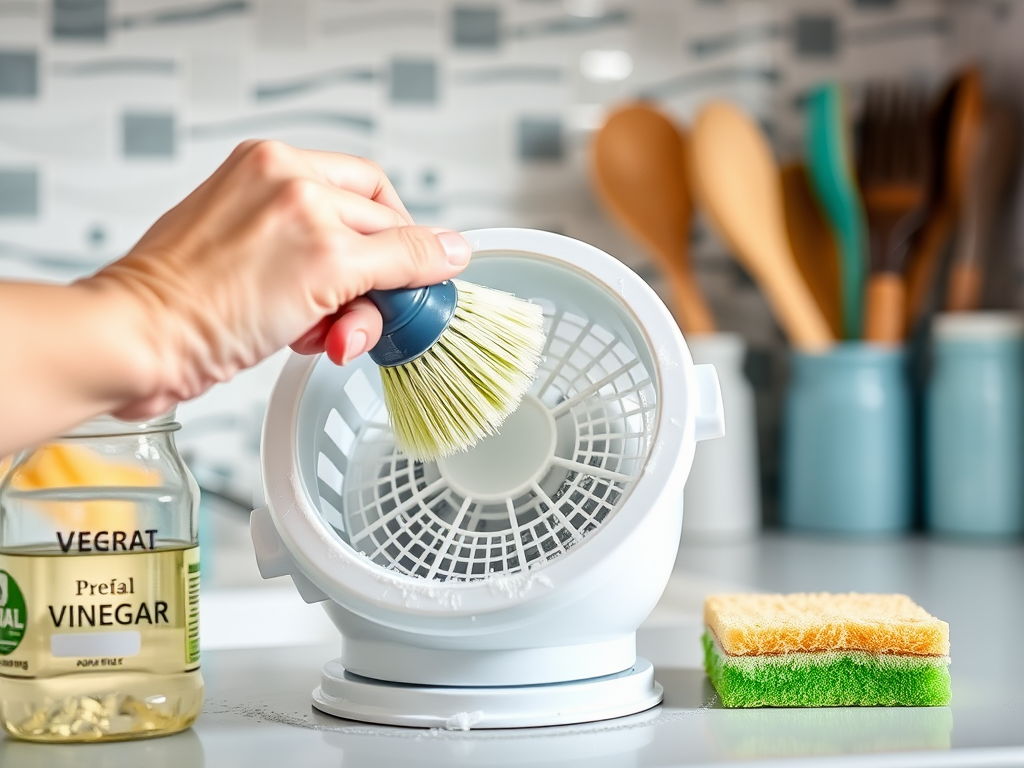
(112, 110)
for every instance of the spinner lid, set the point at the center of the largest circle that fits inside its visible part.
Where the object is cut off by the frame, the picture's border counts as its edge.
(512, 517)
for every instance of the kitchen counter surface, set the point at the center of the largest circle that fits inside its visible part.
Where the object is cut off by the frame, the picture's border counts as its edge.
(258, 711)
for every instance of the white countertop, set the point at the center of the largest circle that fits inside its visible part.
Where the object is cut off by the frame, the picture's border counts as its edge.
(258, 711)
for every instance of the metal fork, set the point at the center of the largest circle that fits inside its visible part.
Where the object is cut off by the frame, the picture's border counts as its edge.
(893, 172)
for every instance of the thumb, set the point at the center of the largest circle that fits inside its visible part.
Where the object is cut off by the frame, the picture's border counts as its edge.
(408, 257)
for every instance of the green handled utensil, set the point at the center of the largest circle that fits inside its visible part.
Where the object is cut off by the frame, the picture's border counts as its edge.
(830, 167)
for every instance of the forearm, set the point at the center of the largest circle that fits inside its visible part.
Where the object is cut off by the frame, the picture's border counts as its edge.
(68, 353)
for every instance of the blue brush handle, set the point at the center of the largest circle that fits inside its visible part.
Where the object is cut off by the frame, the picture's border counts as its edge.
(414, 318)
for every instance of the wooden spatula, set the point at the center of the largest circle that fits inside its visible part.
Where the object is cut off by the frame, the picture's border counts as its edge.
(737, 183)
(989, 175)
(813, 244)
(638, 161)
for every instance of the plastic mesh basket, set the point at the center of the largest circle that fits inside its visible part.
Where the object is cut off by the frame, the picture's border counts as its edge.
(568, 458)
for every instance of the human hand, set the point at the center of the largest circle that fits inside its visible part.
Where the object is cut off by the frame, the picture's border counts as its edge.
(275, 248)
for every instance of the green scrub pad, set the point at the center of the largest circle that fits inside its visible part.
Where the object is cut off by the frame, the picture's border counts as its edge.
(826, 678)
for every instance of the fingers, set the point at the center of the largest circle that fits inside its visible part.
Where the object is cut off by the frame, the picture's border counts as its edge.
(355, 331)
(361, 214)
(359, 175)
(405, 257)
(273, 159)
(312, 341)
(345, 335)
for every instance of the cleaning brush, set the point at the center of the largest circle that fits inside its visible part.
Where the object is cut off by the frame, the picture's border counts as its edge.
(456, 359)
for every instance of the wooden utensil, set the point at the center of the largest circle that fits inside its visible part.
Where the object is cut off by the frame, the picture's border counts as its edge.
(989, 175)
(638, 160)
(894, 184)
(813, 244)
(737, 183)
(955, 128)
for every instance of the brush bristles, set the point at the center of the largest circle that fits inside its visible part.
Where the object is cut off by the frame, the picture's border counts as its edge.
(463, 387)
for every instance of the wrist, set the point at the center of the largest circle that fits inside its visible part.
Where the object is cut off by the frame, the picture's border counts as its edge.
(129, 364)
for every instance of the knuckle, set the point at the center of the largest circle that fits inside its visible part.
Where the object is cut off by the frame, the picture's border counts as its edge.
(322, 248)
(243, 147)
(265, 157)
(298, 197)
(372, 165)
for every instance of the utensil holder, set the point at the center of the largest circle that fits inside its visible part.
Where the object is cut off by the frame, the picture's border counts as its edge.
(847, 442)
(722, 496)
(974, 426)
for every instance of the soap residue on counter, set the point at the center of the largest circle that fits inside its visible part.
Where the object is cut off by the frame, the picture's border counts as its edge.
(463, 721)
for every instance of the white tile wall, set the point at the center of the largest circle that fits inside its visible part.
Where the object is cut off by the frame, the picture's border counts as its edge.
(112, 110)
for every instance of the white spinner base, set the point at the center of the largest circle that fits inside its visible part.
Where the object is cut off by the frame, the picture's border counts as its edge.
(344, 694)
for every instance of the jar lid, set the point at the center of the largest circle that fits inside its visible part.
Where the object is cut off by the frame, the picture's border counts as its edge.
(978, 326)
(108, 425)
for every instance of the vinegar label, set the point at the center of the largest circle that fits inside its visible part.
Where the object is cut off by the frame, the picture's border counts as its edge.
(131, 611)
(12, 614)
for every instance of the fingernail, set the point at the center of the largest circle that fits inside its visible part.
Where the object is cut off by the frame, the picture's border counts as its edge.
(355, 346)
(456, 248)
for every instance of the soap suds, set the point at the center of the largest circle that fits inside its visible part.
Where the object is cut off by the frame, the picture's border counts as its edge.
(652, 462)
(311, 719)
(517, 585)
(463, 721)
(667, 362)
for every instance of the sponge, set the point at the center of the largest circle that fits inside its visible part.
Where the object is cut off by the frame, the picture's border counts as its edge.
(825, 650)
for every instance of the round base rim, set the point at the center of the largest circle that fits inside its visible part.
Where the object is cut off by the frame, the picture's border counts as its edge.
(343, 694)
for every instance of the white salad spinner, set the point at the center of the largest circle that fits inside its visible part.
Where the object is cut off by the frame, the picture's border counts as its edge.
(501, 587)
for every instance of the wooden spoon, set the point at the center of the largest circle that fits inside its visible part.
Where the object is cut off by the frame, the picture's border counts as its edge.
(638, 161)
(737, 183)
(813, 244)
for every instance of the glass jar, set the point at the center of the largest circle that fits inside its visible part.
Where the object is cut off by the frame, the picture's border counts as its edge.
(99, 586)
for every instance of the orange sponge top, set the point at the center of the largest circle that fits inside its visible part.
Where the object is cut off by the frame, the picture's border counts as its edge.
(747, 624)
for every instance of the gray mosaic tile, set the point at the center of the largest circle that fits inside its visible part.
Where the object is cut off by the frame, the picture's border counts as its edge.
(476, 26)
(414, 81)
(19, 192)
(816, 35)
(148, 134)
(19, 73)
(79, 19)
(540, 139)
